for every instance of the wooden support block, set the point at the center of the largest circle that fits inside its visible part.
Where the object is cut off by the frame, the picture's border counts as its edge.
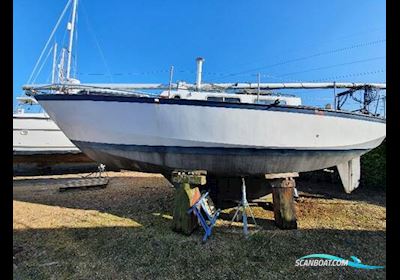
(193, 178)
(281, 175)
(283, 203)
(185, 196)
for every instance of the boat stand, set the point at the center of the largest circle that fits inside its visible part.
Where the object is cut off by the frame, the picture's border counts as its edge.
(243, 204)
(87, 182)
(283, 195)
(206, 213)
(186, 194)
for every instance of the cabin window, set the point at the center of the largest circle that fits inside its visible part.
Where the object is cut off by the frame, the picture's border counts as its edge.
(214, 98)
(266, 102)
(232, 100)
(271, 101)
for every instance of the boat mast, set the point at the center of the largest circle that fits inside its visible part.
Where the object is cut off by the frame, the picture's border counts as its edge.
(71, 27)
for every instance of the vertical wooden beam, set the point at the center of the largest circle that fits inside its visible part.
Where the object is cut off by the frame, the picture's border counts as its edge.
(186, 194)
(185, 197)
(283, 203)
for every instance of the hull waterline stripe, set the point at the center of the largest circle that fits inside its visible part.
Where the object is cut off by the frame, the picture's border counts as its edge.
(205, 150)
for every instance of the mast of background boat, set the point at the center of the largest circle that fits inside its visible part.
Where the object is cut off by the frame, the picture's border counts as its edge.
(71, 27)
(61, 67)
(53, 71)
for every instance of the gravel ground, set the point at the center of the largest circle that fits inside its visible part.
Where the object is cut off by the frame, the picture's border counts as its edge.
(124, 232)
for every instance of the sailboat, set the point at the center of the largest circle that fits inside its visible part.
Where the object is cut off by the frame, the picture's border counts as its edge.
(227, 129)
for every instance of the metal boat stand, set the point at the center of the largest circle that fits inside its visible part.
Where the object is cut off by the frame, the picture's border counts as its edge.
(206, 214)
(243, 204)
(88, 182)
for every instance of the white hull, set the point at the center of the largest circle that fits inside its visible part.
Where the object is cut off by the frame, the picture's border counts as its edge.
(242, 139)
(36, 133)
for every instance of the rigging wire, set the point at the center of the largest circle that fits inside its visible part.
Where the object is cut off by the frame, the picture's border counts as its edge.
(48, 41)
(332, 51)
(264, 75)
(128, 74)
(97, 43)
(43, 63)
(313, 43)
(349, 75)
(332, 66)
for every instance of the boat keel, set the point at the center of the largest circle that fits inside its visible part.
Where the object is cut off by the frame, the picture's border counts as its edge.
(350, 174)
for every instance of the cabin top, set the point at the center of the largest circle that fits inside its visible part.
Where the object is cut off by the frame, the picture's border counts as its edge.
(270, 98)
(21, 114)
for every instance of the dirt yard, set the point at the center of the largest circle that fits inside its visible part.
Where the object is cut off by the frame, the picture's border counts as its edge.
(123, 232)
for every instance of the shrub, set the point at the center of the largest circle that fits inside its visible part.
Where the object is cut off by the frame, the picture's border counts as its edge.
(373, 168)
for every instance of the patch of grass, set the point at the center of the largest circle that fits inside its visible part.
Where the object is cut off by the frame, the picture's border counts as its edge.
(124, 232)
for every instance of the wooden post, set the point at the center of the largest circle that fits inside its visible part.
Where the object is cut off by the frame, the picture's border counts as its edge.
(283, 202)
(186, 194)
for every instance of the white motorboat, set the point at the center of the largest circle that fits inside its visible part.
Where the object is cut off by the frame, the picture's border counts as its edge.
(36, 133)
(40, 147)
